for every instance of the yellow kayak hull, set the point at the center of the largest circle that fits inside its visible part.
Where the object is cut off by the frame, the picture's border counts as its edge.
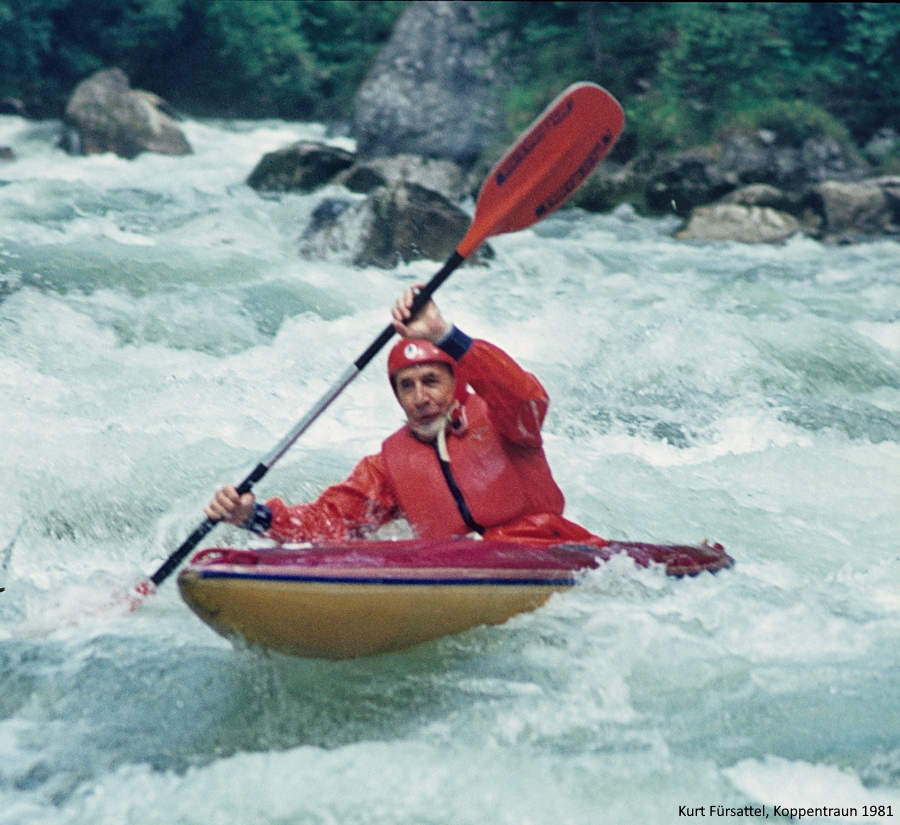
(341, 621)
(365, 598)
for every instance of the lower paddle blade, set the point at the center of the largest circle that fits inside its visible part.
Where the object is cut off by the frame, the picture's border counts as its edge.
(547, 164)
(139, 593)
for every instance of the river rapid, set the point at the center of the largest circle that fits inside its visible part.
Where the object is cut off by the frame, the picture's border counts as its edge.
(159, 333)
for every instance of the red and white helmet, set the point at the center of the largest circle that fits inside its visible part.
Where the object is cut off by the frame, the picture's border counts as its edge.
(409, 351)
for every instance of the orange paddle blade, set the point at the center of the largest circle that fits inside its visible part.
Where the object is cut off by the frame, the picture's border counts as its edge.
(547, 164)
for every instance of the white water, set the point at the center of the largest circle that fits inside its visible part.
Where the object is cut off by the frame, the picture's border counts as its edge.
(159, 334)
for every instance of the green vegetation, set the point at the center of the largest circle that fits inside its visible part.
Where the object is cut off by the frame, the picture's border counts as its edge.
(297, 59)
(685, 72)
(791, 120)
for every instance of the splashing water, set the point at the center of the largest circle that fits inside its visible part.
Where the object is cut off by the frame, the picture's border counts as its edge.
(159, 333)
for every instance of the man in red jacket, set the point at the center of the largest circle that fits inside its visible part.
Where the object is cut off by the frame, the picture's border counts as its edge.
(466, 461)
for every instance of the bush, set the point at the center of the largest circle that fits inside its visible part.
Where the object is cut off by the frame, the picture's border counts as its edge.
(685, 72)
(682, 71)
(791, 121)
(256, 58)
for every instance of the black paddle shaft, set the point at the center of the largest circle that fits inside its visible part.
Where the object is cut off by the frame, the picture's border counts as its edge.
(422, 297)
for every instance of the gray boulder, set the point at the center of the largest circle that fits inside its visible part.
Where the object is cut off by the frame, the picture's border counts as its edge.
(12, 106)
(832, 210)
(300, 167)
(434, 89)
(442, 176)
(689, 179)
(884, 144)
(868, 207)
(737, 222)
(890, 185)
(393, 224)
(762, 194)
(105, 114)
(704, 175)
(763, 159)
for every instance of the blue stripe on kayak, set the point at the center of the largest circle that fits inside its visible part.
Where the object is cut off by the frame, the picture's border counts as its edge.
(284, 577)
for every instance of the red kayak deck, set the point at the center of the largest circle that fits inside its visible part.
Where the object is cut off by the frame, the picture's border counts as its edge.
(340, 600)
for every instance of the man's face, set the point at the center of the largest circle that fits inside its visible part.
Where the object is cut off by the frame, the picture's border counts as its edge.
(425, 391)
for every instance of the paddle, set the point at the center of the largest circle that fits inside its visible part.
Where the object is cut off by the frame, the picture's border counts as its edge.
(545, 166)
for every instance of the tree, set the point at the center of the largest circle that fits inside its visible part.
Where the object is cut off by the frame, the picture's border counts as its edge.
(299, 59)
(26, 31)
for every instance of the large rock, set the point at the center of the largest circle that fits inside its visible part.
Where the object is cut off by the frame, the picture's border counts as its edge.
(392, 225)
(763, 159)
(434, 89)
(300, 167)
(687, 180)
(763, 194)
(884, 144)
(442, 176)
(703, 175)
(107, 115)
(869, 207)
(737, 222)
(890, 185)
(832, 210)
(12, 106)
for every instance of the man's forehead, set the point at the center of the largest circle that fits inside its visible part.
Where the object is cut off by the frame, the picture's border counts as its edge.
(414, 371)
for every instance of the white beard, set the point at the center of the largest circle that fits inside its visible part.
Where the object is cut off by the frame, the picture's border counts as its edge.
(428, 432)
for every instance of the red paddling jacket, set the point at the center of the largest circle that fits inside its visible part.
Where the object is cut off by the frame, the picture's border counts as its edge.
(497, 481)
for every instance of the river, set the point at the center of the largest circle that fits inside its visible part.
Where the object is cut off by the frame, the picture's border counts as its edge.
(159, 333)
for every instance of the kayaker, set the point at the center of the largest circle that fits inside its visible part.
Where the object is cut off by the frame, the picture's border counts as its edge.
(469, 459)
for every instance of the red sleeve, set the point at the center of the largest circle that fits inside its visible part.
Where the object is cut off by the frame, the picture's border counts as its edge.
(516, 399)
(349, 510)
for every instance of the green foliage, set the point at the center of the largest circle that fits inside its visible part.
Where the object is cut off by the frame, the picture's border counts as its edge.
(260, 53)
(251, 58)
(791, 121)
(347, 36)
(95, 34)
(25, 41)
(297, 59)
(540, 44)
(850, 58)
(685, 72)
(713, 68)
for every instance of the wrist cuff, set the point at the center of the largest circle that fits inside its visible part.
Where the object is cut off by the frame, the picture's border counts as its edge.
(455, 343)
(260, 521)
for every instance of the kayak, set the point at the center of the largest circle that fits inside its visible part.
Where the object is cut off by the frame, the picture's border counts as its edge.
(344, 600)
